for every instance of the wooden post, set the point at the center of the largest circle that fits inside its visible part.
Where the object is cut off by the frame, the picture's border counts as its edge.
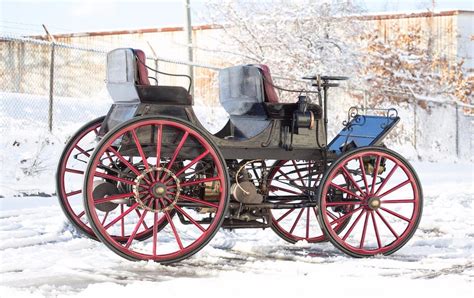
(189, 40)
(457, 128)
(51, 81)
(415, 103)
(51, 89)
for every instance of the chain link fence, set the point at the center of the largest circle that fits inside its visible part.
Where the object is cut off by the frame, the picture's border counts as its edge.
(55, 87)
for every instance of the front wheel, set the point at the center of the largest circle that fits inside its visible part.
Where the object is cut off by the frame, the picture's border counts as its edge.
(385, 197)
(161, 166)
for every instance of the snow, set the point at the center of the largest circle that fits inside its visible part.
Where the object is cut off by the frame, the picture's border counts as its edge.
(30, 153)
(42, 256)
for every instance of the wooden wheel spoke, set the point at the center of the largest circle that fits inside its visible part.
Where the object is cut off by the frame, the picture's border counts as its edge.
(346, 191)
(124, 161)
(375, 174)
(74, 171)
(376, 230)
(159, 135)
(343, 203)
(345, 216)
(178, 149)
(105, 218)
(121, 216)
(112, 197)
(285, 190)
(396, 214)
(296, 221)
(351, 179)
(364, 230)
(201, 156)
(386, 179)
(110, 177)
(73, 193)
(145, 226)
(198, 181)
(285, 214)
(307, 223)
(349, 231)
(82, 150)
(140, 151)
(199, 201)
(394, 188)
(155, 229)
(180, 210)
(387, 224)
(327, 212)
(362, 169)
(397, 201)
(298, 172)
(175, 232)
(135, 230)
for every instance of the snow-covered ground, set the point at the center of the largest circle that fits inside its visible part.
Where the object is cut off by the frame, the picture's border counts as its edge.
(41, 255)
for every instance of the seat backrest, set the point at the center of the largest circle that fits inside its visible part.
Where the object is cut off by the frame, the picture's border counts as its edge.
(122, 75)
(142, 71)
(270, 93)
(241, 90)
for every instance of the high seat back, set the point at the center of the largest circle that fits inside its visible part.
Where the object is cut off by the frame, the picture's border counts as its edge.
(242, 94)
(125, 70)
(142, 70)
(270, 94)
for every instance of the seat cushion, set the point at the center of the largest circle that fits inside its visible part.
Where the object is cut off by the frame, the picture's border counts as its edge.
(174, 95)
(142, 71)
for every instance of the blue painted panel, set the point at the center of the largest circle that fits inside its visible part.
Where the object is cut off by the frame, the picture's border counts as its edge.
(363, 131)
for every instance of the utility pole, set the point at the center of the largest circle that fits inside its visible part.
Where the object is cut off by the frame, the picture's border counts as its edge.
(189, 42)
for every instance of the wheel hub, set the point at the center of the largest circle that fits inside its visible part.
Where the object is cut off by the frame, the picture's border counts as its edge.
(157, 189)
(373, 203)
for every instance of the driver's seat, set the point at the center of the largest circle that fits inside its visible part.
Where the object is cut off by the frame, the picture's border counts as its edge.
(242, 93)
(270, 94)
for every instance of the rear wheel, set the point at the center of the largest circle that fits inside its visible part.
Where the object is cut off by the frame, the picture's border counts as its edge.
(70, 174)
(70, 180)
(386, 199)
(181, 171)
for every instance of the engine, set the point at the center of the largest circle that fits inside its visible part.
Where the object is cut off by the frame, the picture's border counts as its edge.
(244, 188)
(248, 189)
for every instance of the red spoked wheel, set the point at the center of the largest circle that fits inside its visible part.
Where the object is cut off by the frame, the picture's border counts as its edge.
(290, 180)
(386, 199)
(70, 174)
(168, 167)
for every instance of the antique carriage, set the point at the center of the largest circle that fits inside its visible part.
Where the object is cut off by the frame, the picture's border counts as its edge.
(157, 186)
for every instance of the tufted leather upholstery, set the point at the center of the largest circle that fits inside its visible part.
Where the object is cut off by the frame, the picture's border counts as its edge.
(142, 71)
(270, 94)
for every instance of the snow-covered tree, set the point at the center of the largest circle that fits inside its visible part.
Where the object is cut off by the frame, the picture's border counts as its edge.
(294, 38)
(406, 61)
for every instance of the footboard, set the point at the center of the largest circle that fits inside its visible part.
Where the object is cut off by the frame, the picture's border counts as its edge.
(363, 129)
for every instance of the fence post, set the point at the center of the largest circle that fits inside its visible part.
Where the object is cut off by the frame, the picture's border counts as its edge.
(189, 40)
(51, 89)
(457, 128)
(365, 99)
(414, 121)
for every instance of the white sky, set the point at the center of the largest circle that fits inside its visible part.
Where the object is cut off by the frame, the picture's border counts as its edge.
(26, 16)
